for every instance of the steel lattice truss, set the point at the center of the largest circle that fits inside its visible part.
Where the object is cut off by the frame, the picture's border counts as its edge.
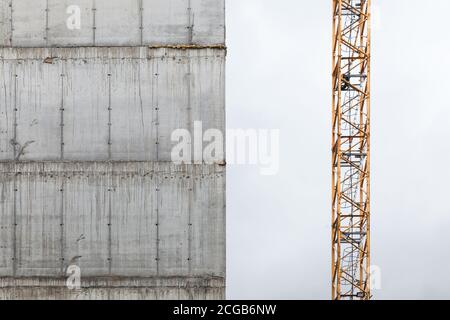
(351, 150)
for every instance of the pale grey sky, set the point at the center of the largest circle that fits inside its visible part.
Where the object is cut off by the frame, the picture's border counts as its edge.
(278, 77)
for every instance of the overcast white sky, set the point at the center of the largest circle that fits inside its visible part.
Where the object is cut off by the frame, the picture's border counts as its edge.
(278, 77)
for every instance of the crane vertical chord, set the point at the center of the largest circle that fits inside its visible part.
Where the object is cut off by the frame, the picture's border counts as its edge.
(351, 150)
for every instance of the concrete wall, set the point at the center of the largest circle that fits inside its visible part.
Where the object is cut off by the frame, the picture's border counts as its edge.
(106, 103)
(86, 176)
(42, 23)
(153, 221)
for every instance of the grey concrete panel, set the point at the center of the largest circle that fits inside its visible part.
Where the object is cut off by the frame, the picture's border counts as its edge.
(86, 115)
(133, 110)
(166, 22)
(86, 218)
(7, 106)
(208, 205)
(38, 115)
(7, 199)
(29, 25)
(38, 230)
(173, 220)
(117, 23)
(197, 96)
(134, 227)
(207, 90)
(5, 23)
(59, 34)
(208, 21)
(173, 102)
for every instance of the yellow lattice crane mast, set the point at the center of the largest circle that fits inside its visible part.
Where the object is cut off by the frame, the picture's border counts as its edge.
(351, 150)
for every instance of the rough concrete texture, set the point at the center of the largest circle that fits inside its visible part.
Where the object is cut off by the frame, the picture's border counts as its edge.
(98, 288)
(149, 221)
(86, 177)
(42, 23)
(96, 104)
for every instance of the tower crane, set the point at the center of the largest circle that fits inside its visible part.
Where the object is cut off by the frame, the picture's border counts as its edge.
(351, 150)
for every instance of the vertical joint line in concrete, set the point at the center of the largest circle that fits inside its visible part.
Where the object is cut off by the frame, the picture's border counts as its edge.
(62, 116)
(190, 181)
(141, 107)
(61, 221)
(190, 23)
(190, 201)
(11, 23)
(110, 191)
(14, 232)
(14, 142)
(61, 224)
(190, 123)
(16, 109)
(94, 18)
(157, 222)
(157, 109)
(141, 21)
(46, 23)
(109, 116)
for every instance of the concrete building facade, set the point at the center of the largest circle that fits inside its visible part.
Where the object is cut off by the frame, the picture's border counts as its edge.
(86, 174)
